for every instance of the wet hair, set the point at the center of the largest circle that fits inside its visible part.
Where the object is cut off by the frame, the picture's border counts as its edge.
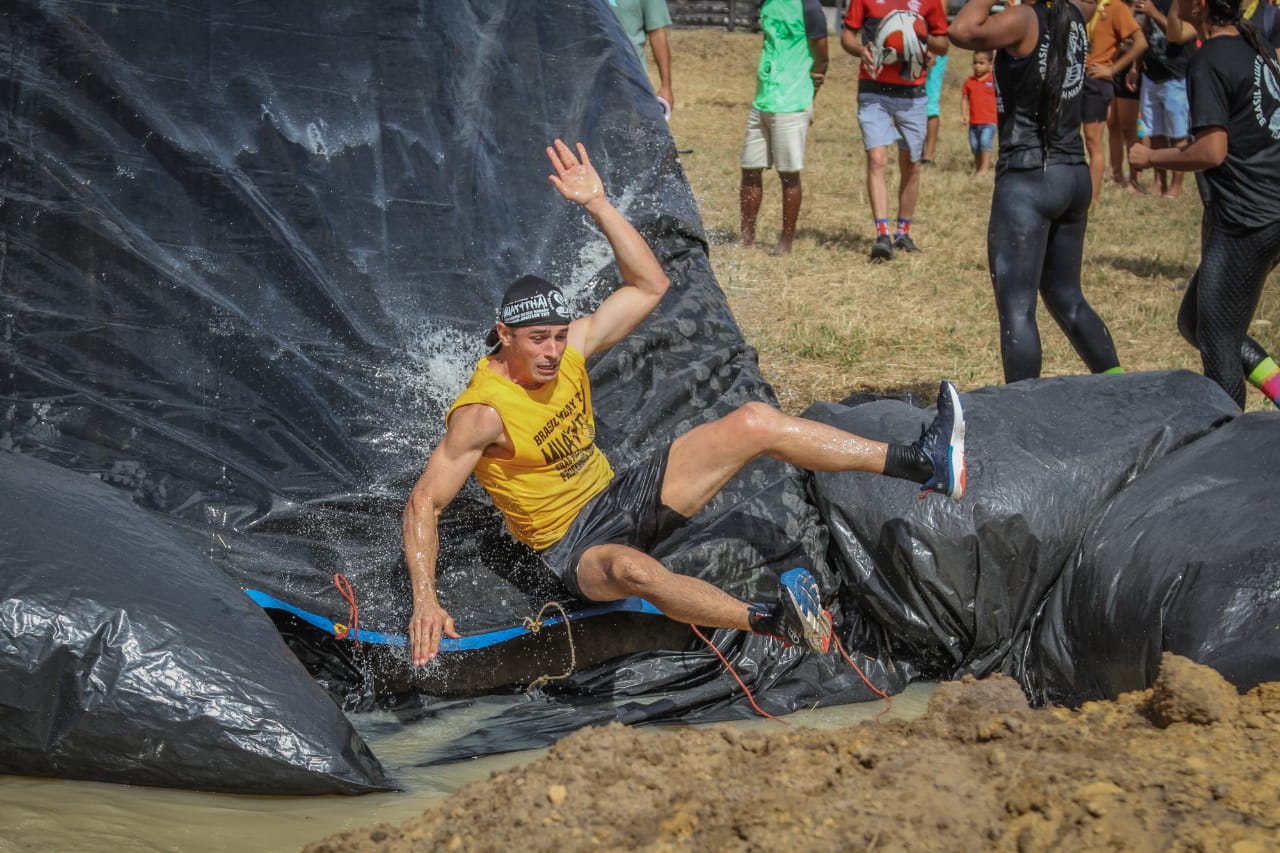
(1056, 70)
(1223, 12)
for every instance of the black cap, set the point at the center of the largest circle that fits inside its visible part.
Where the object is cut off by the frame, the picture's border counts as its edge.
(530, 301)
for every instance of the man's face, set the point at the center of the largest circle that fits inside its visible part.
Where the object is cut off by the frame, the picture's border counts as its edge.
(534, 352)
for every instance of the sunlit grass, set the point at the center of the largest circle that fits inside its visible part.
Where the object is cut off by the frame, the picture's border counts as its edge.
(827, 323)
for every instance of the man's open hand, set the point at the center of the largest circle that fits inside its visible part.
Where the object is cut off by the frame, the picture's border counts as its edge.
(428, 623)
(575, 177)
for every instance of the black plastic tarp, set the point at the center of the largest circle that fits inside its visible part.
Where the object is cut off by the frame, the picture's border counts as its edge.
(250, 253)
(1185, 560)
(957, 583)
(126, 656)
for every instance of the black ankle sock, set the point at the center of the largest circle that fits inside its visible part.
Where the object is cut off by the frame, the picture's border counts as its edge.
(765, 619)
(907, 462)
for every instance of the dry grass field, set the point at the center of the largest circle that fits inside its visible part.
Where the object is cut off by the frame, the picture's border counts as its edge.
(827, 323)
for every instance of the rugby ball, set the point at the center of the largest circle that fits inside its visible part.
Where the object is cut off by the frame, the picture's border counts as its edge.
(901, 40)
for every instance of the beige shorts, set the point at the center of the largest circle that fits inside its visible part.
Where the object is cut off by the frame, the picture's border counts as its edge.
(776, 140)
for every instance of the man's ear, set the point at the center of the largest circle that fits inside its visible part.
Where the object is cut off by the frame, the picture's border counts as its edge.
(505, 333)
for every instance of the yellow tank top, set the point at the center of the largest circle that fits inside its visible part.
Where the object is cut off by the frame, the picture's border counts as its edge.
(557, 467)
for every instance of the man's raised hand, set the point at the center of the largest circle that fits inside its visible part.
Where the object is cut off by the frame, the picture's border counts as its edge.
(575, 177)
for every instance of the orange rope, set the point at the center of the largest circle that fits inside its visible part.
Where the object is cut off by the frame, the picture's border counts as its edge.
(888, 702)
(353, 612)
(729, 667)
(876, 690)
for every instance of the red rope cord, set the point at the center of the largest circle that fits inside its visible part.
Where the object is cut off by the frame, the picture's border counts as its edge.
(352, 628)
(729, 667)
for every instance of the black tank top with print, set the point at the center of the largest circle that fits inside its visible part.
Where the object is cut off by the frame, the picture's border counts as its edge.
(1019, 81)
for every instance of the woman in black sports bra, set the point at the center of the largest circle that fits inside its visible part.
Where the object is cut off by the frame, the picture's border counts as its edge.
(1233, 85)
(1040, 205)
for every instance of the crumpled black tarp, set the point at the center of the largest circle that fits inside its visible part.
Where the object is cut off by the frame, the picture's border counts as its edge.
(125, 656)
(250, 252)
(956, 584)
(1185, 560)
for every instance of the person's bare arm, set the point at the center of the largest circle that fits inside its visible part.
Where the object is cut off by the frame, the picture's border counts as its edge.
(1175, 29)
(471, 430)
(1102, 71)
(1152, 11)
(1209, 150)
(851, 44)
(661, 48)
(975, 28)
(1131, 56)
(818, 71)
(643, 281)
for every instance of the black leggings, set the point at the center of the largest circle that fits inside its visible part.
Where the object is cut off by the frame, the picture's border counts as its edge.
(1221, 299)
(1035, 240)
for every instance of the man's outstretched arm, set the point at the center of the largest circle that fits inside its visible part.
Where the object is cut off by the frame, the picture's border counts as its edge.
(471, 430)
(643, 281)
(662, 58)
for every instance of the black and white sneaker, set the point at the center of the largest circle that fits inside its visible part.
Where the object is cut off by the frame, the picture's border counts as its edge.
(798, 618)
(943, 442)
(881, 249)
(904, 243)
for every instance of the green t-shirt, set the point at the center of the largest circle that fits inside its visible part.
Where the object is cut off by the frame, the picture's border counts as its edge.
(783, 84)
(639, 18)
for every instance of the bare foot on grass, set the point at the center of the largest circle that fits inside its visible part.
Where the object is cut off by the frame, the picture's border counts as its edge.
(783, 248)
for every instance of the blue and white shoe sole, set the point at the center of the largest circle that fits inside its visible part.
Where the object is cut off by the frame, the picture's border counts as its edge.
(955, 445)
(802, 592)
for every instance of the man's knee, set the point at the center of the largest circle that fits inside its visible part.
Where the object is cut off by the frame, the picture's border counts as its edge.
(877, 159)
(755, 423)
(790, 180)
(632, 573)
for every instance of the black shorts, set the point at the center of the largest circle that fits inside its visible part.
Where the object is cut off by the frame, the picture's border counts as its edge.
(628, 512)
(1097, 97)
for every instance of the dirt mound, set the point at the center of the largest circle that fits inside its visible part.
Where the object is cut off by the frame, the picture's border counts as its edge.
(1186, 765)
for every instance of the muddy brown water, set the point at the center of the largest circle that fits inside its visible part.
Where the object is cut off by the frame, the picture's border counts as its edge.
(61, 815)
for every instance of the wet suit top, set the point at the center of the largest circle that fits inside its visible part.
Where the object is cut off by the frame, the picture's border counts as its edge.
(557, 467)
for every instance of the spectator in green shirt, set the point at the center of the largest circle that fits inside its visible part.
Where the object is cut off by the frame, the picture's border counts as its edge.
(648, 20)
(793, 64)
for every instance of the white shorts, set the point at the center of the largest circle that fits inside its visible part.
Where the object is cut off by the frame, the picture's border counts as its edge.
(776, 140)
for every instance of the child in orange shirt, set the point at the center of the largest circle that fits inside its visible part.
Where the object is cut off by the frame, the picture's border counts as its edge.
(978, 110)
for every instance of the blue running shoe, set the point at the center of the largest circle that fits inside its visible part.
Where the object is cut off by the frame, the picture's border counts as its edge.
(943, 442)
(799, 617)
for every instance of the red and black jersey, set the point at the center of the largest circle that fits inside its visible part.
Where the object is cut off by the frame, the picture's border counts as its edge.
(864, 16)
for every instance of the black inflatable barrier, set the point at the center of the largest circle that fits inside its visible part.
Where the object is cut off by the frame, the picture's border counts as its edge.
(126, 656)
(1186, 559)
(957, 584)
(251, 253)
(250, 256)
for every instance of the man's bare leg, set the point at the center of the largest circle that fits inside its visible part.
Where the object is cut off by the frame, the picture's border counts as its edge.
(750, 195)
(703, 461)
(613, 572)
(909, 183)
(877, 187)
(1093, 145)
(791, 197)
